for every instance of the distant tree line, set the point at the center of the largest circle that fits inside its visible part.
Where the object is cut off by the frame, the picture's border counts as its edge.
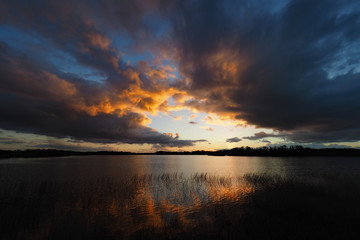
(289, 151)
(241, 151)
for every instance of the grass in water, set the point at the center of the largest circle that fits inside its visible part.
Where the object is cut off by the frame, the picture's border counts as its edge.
(178, 206)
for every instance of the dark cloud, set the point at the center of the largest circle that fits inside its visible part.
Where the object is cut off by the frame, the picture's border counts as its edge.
(309, 145)
(74, 141)
(192, 122)
(177, 144)
(291, 66)
(86, 30)
(10, 140)
(289, 69)
(261, 135)
(233, 140)
(310, 136)
(345, 135)
(35, 101)
(53, 119)
(64, 26)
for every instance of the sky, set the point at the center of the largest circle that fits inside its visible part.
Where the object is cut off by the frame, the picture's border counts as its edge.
(179, 75)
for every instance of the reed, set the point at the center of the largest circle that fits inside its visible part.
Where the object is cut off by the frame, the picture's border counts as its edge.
(179, 206)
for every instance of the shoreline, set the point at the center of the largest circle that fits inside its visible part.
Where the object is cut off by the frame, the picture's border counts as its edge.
(282, 151)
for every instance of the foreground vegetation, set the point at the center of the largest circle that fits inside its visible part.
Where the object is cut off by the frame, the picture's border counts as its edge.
(177, 206)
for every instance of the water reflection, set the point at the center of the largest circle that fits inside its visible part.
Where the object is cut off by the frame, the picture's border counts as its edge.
(122, 207)
(117, 197)
(90, 167)
(167, 200)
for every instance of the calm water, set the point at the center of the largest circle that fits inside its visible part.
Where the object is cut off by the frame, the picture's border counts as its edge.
(84, 167)
(141, 192)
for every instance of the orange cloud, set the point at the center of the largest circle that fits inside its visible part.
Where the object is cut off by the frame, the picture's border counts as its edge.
(224, 119)
(100, 41)
(212, 94)
(138, 97)
(169, 134)
(176, 135)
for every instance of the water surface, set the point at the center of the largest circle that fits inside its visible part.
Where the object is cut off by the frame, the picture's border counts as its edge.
(72, 167)
(153, 196)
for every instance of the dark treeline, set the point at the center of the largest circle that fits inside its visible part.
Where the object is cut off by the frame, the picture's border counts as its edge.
(289, 151)
(274, 151)
(242, 151)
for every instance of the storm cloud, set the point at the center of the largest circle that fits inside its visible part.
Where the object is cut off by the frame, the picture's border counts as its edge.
(290, 66)
(33, 100)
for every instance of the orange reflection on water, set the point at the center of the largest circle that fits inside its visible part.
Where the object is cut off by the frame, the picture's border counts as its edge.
(165, 204)
(173, 200)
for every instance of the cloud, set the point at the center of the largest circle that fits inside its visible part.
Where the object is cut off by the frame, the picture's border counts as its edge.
(179, 143)
(33, 100)
(192, 122)
(292, 68)
(261, 135)
(309, 145)
(74, 141)
(233, 140)
(52, 119)
(175, 136)
(289, 66)
(10, 140)
(309, 136)
(326, 136)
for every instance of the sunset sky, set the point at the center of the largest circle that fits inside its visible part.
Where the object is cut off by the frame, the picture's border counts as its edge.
(179, 75)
